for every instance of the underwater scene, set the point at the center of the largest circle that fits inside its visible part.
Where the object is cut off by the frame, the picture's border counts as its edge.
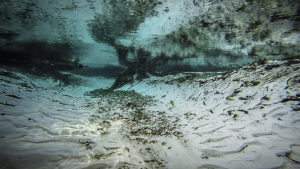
(149, 84)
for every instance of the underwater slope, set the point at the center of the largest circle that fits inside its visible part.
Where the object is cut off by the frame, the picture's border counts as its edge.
(247, 118)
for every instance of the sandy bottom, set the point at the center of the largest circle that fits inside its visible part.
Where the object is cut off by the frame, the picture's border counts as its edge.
(248, 118)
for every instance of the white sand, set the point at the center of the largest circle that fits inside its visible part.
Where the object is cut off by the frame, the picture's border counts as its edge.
(239, 120)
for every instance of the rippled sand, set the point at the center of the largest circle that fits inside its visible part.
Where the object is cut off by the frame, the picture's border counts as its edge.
(248, 118)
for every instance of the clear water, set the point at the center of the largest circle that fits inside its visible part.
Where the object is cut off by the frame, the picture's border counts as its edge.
(149, 84)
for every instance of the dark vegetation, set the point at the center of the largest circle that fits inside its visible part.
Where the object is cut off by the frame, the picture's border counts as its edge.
(127, 15)
(40, 58)
(144, 66)
(109, 71)
(120, 18)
